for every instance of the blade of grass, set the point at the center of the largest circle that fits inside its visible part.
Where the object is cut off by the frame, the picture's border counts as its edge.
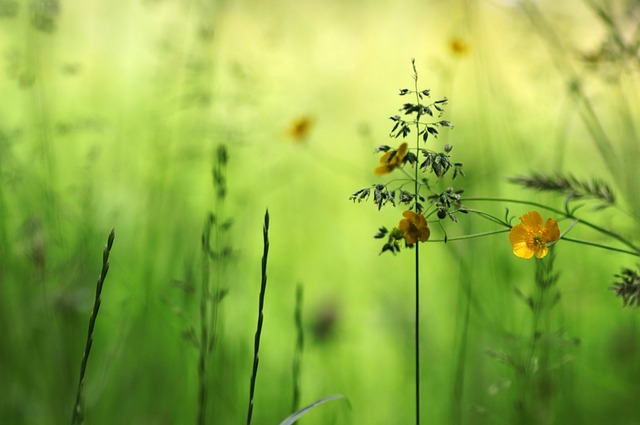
(263, 290)
(297, 415)
(78, 413)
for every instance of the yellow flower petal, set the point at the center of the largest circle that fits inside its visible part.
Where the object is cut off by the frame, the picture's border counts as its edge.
(521, 250)
(532, 219)
(391, 160)
(552, 231)
(541, 251)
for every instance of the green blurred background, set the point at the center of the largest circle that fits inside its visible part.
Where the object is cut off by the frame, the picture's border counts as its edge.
(111, 113)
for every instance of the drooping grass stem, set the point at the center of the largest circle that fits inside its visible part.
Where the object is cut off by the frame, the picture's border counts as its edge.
(78, 408)
(263, 290)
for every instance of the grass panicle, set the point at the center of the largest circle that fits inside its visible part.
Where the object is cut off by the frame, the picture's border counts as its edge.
(627, 287)
(569, 186)
(211, 293)
(78, 408)
(263, 290)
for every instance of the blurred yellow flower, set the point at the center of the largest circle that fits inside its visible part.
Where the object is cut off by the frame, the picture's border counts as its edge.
(415, 227)
(392, 159)
(300, 128)
(458, 46)
(530, 238)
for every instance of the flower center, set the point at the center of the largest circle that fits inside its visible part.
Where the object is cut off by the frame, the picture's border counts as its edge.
(538, 241)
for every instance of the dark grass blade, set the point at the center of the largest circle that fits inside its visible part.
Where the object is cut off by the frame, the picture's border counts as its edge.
(78, 413)
(263, 290)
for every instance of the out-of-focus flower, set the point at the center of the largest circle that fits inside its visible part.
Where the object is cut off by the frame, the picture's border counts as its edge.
(458, 46)
(392, 159)
(530, 238)
(415, 227)
(300, 128)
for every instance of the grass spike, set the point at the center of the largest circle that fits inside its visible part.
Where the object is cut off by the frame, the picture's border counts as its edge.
(78, 408)
(263, 290)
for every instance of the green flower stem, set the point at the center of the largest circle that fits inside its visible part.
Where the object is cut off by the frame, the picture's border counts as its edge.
(636, 250)
(598, 245)
(474, 235)
(417, 261)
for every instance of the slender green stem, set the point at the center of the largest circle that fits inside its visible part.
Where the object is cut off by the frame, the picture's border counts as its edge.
(417, 259)
(474, 235)
(297, 357)
(205, 294)
(598, 245)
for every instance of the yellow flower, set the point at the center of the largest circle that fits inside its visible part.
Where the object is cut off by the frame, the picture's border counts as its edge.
(392, 159)
(529, 238)
(458, 46)
(415, 227)
(300, 128)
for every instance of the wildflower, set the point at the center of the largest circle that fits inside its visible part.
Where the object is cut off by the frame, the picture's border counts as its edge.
(300, 128)
(530, 238)
(392, 159)
(415, 227)
(458, 47)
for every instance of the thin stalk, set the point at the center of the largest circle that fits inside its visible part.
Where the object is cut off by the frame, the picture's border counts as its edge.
(78, 413)
(457, 408)
(417, 335)
(598, 245)
(263, 290)
(474, 235)
(205, 295)
(417, 258)
(297, 357)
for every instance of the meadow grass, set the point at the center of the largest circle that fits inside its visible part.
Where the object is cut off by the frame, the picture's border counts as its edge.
(112, 117)
(78, 414)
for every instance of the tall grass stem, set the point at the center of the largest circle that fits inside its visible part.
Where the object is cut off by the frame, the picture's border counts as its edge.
(417, 259)
(263, 290)
(297, 356)
(205, 296)
(78, 408)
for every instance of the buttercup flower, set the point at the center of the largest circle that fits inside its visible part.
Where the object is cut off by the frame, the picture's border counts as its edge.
(392, 159)
(415, 227)
(529, 238)
(300, 128)
(458, 46)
